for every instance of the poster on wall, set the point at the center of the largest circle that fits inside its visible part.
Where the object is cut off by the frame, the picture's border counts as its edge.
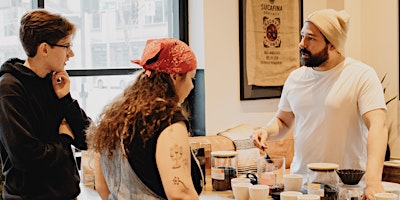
(269, 37)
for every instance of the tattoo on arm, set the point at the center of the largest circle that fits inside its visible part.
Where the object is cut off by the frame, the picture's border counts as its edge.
(176, 153)
(178, 181)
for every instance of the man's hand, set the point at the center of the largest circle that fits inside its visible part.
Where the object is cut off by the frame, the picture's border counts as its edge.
(61, 83)
(372, 187)
(260, 136)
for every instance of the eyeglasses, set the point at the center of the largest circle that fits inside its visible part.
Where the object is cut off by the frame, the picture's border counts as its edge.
(68, 47)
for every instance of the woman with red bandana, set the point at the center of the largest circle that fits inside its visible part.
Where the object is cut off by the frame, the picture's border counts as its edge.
(142, 138)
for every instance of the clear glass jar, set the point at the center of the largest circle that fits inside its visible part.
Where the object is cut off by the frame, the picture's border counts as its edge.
(323, 180)
(350, 192)
(223, 169)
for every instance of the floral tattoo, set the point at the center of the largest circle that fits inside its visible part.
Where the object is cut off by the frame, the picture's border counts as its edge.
(176, 153)
(178, 181)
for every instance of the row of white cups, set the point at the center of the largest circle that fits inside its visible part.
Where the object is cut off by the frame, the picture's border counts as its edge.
(244, 190)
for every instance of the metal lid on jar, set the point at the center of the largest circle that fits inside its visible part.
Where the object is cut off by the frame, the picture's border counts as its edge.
(322, 166)
(223, 154)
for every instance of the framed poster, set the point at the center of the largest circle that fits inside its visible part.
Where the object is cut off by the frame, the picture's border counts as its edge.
(269, 33)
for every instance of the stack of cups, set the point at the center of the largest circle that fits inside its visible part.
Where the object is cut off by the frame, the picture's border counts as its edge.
(292, 184)
(244, 190)
(240, 188)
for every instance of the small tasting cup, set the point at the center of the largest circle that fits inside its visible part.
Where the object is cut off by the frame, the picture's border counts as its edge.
(241, 191)
(239, 180)
(290, 195)
(259, 192)
(292, 182)
(385, 196)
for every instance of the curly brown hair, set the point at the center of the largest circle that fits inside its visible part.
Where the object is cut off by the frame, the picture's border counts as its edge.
(145, 103)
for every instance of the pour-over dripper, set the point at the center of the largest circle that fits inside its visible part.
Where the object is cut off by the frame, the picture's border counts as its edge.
(350, 176)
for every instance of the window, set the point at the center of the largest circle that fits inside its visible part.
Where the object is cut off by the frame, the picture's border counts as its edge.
(10, 28)
(10, 13)
(96, 21)
(155, 12)
(110, 33)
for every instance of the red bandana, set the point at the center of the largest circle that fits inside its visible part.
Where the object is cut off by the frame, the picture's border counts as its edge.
(174, 56)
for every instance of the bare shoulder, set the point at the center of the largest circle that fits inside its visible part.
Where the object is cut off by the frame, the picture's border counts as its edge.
(176, 131)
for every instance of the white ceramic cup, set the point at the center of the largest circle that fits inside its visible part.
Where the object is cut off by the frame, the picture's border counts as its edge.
(241, 191)
(394, 191)
(292, 182)
(385, 196)
(290, 195)
(308, 197)
(239, 180)
(259, 192)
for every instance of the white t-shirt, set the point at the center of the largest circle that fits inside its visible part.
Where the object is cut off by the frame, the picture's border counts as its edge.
(328, 108)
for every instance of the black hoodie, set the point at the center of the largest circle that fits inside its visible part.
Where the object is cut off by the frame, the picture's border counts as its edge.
(38, 162)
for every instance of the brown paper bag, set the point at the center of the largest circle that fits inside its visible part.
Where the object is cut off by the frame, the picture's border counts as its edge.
(87, 167)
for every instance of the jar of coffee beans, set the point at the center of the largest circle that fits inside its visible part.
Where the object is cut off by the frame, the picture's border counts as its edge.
(323, 180)
(223, 169)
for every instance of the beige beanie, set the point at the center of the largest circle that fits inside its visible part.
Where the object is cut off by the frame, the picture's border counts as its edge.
(333, 25)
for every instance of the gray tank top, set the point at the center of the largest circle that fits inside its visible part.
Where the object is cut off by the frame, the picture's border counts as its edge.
(122, 181)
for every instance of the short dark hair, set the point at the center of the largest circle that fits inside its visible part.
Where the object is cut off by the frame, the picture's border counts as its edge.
(38, 26)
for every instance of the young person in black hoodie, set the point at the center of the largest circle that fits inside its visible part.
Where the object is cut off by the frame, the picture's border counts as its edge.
(39, 120)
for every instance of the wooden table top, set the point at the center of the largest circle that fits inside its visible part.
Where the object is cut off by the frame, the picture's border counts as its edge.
(209, 194)
(88, 193)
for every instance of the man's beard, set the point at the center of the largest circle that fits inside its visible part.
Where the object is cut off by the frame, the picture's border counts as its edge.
(314, 60)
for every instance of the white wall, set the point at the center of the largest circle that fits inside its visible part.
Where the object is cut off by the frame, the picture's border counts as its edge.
(214, 36)
(221, 63)
(380, 48)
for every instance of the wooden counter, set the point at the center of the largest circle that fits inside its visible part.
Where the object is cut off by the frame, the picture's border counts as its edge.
(88, 193)
(209, 194)
(391, 171)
